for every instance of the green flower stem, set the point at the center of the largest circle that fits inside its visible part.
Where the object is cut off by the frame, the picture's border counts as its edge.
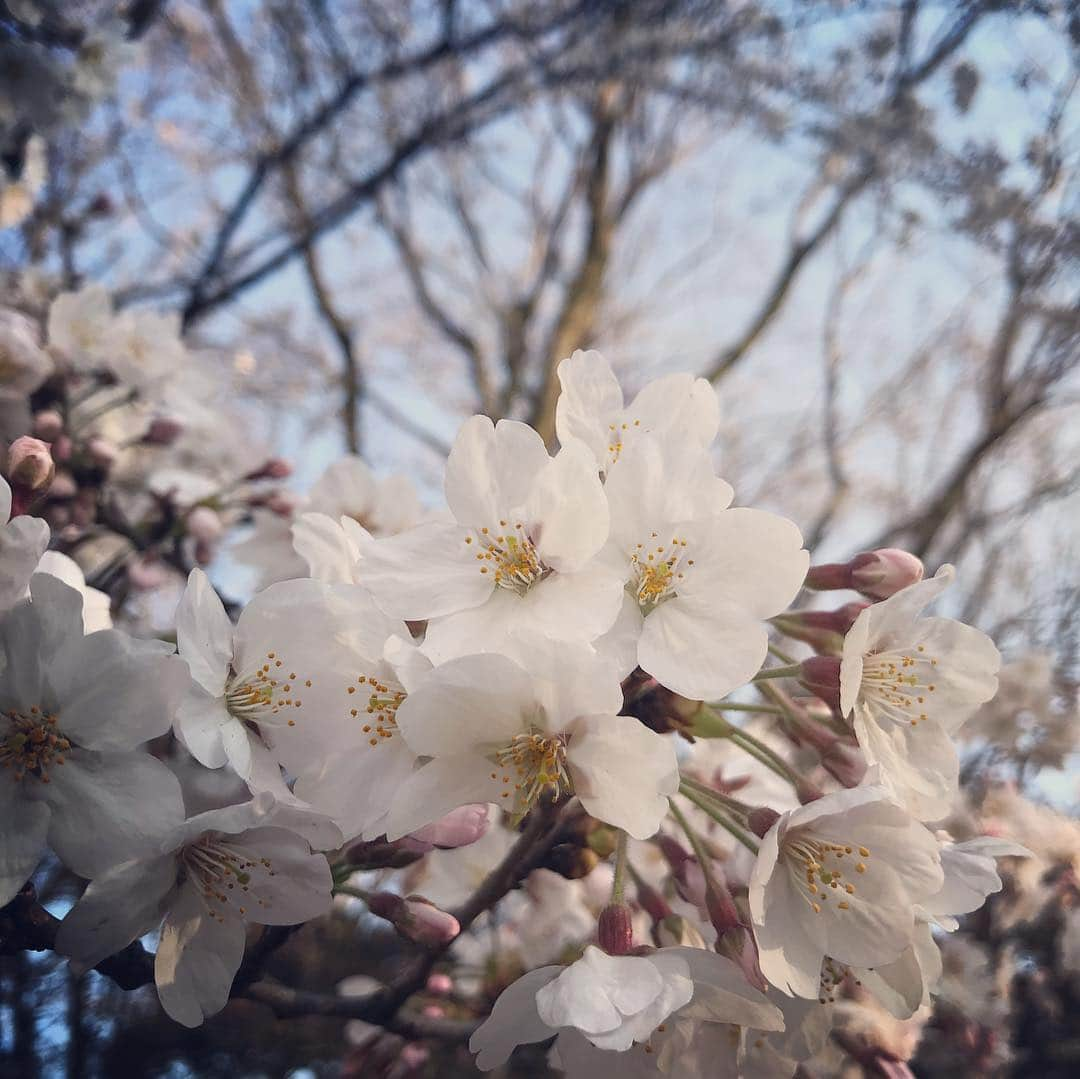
(733, 805)
(716, 814)
(618, 884)
(784, 657)
(738, 706)
(791, 670)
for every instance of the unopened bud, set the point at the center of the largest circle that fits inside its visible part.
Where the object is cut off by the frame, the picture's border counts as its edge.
(415, 918)
(844, 763)
(761, 820)
(101, 451)
(652, 902)
(723, 913)
(381, 854)
(824, 631)
(440, 984)
(146, 574)
(459, 828)
(276, 468)
(615, 931)
(821, 675)
(571, 860)
(63, 486)
(882, 573)
(48, 425)
(204, 525)
(413, 1057)
(663, 711)
(877, 574)
(31, 469)
(163, 431)
(807, 792)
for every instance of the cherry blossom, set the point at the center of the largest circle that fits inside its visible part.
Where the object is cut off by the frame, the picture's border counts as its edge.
(74, 710)
(519, 555)
(839, 877)
(699, 577)
(285, 685)
(909, 683)
(591, 408)
(209, 879)
(496, 732)
(620, 1004)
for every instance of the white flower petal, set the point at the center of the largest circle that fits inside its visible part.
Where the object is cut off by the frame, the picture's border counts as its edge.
(204, 633)
(117, 908)
(438, 787)
(108, 808)
(22, 838)
(197, 959)
(622, 772)
(514, 1021)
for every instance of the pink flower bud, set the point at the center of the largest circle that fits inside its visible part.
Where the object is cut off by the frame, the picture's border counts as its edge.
(433, 1011)
(821, 675)
(414, 1057)
(30, 469)
(283, 503)
(723, 913)
(62, 448)
(48, 425)
(458, 828)
(275, 468)
(652, 902)
(163, 431)
(146, 574)
(877, 574)
(415, 918)
(761, 820)
(101, 451)
(880, 574)
(807, 792)
(440, 984)
(63, 486)
(824, 631)
(844, 763)
(615, 931)
(204, 525)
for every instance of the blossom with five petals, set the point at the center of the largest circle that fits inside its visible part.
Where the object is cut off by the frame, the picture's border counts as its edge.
(909, 683)
(840, 877)
(519, 555)
(75, 709)
(498, 733)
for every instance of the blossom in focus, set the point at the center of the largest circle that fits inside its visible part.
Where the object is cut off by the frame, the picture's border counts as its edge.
(909, 683)
(22, 543)
(214, 875)
(278, 688)
(591, 408)
(498, 733)
(699, 578)
(620, 1004)
(75, 709)
(519, 556)
(839, 877)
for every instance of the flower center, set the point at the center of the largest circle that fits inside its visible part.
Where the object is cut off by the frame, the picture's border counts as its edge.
(266, 697)
(658, 570)
(31, 744)
(509, 555)
(222, 874)
(819, 869)
(898, 683)
(380, 714)
(616, 432)
(532, 764)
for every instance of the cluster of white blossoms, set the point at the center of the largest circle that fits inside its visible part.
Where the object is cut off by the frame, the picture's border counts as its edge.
(559, 645)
